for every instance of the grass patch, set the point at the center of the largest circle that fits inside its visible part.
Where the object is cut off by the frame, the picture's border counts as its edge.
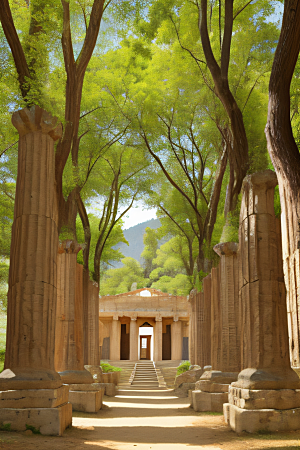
(33, 429)
(5, 427)
(108, 368)
(184, 367)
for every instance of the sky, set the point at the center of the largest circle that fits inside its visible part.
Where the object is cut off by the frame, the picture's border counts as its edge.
(138, 215)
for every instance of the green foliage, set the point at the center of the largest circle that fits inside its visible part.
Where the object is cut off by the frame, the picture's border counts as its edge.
(183, 367)
(5, 427)
(178, 285)
(108, 368)
(118, 281)
(33, 429)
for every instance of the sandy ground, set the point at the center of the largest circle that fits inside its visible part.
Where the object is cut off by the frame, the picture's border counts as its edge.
(146, 420)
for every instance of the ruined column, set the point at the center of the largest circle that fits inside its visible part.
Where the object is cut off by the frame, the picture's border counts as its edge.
(69, 342)
(176, 336)
(29, 379)
(212, 389)
(115, 341)
(158, 339)
(133, 340)
(192, 326)
(203, 325)
(265, 395)
(92, 330)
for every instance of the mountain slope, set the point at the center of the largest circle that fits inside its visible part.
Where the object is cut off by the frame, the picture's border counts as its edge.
(134, 236)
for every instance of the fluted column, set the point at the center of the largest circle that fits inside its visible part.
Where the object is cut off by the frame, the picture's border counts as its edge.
(31, 309)
(203, 325)
(69, 325)
(230, 360)
(192, 326)
(158, 339)
(133, 340)
(93, 324)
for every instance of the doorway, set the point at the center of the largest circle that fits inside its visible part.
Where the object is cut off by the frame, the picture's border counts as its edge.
(124, 341)
(145, 332)
(145, 347)
(166, 343)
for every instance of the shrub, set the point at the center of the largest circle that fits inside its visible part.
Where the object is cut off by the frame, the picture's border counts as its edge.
(183, 367)
(108, 368)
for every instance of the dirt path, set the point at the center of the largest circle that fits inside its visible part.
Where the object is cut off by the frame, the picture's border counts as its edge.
(146, 420)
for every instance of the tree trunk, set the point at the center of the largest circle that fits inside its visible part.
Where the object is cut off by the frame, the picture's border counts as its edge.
(285, 157)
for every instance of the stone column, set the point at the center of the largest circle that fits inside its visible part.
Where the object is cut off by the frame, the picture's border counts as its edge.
(192, 326)
(158, 339)
(115, 340)
(69, 324)
(203, 325)
(265, 395)
(92, 331)
(176, 336)
(29, 379)
(213, 385)
(133, 340)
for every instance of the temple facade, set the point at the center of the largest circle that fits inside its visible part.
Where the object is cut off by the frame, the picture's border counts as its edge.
(145, 324)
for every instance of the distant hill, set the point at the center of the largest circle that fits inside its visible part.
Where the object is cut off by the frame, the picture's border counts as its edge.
(134, 236)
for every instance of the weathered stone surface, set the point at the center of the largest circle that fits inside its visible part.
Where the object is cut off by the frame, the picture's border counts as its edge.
(190, 376)
(48, 421)
(183, 389)
(264, 399)
(92, 329)
(84, 387)
(208, 386)
(256, 420)
(29, 361)
(265, 355)
(86, 401)
(230, 358)
(96, 372)
(69, 351)
(109, 388)
(205, 401)
(76, 377)
(216, 376)
(34, 398)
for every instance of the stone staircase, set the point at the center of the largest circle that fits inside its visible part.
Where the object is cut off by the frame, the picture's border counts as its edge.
(127, 369)
(145, 376)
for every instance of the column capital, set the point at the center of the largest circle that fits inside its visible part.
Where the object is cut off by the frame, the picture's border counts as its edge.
(116, 316)
(158, 318)
(32, 119)
(133, 319)
(226, 248)
(175, 318)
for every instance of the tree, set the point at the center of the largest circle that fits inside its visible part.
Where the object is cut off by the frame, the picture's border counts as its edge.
(151, 244)
(118, 281)
(285, 156)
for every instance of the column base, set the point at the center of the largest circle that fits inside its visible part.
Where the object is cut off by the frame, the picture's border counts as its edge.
(85, 397)
(44, 411)
(256, 420)
(208, 401)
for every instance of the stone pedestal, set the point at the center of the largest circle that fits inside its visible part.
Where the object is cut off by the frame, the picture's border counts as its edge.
(115, 341)
(29, 374)
(158, 339)
(176, 336)
(86, 397)
(133, 340)
(265, 350)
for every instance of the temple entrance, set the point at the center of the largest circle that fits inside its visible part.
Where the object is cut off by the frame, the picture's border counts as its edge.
(166, 343)
(145, 349)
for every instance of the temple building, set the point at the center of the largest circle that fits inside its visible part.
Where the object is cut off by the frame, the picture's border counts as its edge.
(144, 324)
